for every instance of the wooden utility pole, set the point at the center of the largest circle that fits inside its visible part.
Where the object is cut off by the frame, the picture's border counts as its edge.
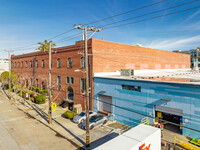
(50, 87)
(87, 79)
(9, 63)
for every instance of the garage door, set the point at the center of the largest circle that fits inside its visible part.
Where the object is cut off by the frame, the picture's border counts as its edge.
(105, 103)
(169, 110)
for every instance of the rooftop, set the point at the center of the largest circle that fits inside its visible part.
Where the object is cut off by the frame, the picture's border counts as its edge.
(166, 76)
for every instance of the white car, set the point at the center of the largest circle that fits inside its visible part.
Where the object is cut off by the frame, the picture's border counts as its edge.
(82, 116)
(95, 121)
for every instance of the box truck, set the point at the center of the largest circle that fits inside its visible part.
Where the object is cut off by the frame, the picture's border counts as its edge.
(141, 137)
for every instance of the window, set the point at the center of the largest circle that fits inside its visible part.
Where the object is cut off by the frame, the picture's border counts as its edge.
(58, 63)
(67, 80)
(59, 81)
(43, 64)
(31, 63)
(15, 64)
(26, 64)
(69, 62)
(138, 88)
(22, 64)
(83, 62)
(131, 88)
(18, 64)
(83, 84)
(72, 80)
(36, 63)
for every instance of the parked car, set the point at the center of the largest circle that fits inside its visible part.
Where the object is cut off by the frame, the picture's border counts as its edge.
(82, 116)
(95, 121)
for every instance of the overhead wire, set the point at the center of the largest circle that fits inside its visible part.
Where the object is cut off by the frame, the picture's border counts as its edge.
(164, 15)
(113, 16)
(133, 111)
(150, 13)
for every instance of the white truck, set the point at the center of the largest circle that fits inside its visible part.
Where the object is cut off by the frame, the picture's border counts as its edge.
(141, 137)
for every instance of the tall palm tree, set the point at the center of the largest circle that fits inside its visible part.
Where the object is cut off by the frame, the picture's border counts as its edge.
(44, 46)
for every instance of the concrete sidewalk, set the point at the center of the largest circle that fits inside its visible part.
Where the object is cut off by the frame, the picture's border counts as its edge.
(64, 127)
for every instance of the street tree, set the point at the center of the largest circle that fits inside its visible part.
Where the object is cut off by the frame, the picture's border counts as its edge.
(44, 46)
(13, 78)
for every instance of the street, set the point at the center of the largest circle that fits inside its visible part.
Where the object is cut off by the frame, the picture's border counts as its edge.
(20, 132)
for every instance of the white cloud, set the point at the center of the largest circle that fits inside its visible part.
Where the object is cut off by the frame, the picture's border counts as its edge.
(175, 43)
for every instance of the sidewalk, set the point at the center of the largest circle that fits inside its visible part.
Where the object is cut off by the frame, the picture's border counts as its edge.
(64, 127)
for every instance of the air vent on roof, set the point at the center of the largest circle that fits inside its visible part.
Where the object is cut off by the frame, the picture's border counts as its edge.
(126, 72)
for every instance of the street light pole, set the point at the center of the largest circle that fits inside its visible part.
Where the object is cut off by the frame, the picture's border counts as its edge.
(50, 88)
(87, 79)
(9, 63)
(87, 90)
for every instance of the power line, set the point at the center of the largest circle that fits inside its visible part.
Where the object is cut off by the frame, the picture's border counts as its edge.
(146, 115)
(152, 18)
(141, 113)
(146, 6)
(150, 13)
(148, 105)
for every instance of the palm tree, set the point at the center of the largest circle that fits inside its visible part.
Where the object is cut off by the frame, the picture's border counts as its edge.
(45, 45)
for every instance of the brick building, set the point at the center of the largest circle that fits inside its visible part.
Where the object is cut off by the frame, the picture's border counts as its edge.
(32, 68)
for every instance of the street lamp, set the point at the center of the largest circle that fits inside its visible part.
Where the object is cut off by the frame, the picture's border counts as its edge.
(87, 102)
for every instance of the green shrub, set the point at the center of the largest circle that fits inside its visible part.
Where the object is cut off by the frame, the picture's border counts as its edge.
(69, 114)
(46, 91)
(32, 88)
(24, 91)
(20, 93)
(32, 99)
(40, 99)
(38, 90)
(41, 92)
(12, 90)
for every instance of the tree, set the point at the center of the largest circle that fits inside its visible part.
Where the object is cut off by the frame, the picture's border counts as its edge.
(45, 45)
(13, 77)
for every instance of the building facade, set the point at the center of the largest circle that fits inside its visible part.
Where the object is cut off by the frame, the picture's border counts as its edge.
(104, 56)
(129, 101)
(195, 58)
(4, 65)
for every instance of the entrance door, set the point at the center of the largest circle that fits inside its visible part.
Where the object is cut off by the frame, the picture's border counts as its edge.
(105, 103)
(71, 97)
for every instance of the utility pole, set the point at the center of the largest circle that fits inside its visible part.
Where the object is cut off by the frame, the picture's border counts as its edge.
(50, 87)
(9, 63)
(87, 78)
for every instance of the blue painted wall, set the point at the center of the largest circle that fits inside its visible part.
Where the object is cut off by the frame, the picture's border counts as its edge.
(185, 97)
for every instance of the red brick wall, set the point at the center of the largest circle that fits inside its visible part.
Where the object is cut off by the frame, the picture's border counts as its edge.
(42, 74)
(110, 56)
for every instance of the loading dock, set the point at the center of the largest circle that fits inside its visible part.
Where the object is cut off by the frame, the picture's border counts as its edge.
(171, 115)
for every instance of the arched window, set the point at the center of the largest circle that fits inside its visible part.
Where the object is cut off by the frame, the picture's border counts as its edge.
(18, 64)
(31, 63)
(15, 64)
(43, 64)
(69, 62)
(59, 63)
(43, 85)
(83, 62)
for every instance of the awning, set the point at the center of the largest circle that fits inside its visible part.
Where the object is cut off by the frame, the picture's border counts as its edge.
(68, 100)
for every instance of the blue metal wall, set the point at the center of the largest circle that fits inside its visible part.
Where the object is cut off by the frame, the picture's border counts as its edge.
(184, 97)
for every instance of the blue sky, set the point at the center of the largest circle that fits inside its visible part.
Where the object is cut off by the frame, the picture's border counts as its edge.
(26, 22)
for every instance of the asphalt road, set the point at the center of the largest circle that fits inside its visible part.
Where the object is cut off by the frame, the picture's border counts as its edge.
(21, 132)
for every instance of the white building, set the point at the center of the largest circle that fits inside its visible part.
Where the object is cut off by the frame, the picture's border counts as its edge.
(4, 65)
